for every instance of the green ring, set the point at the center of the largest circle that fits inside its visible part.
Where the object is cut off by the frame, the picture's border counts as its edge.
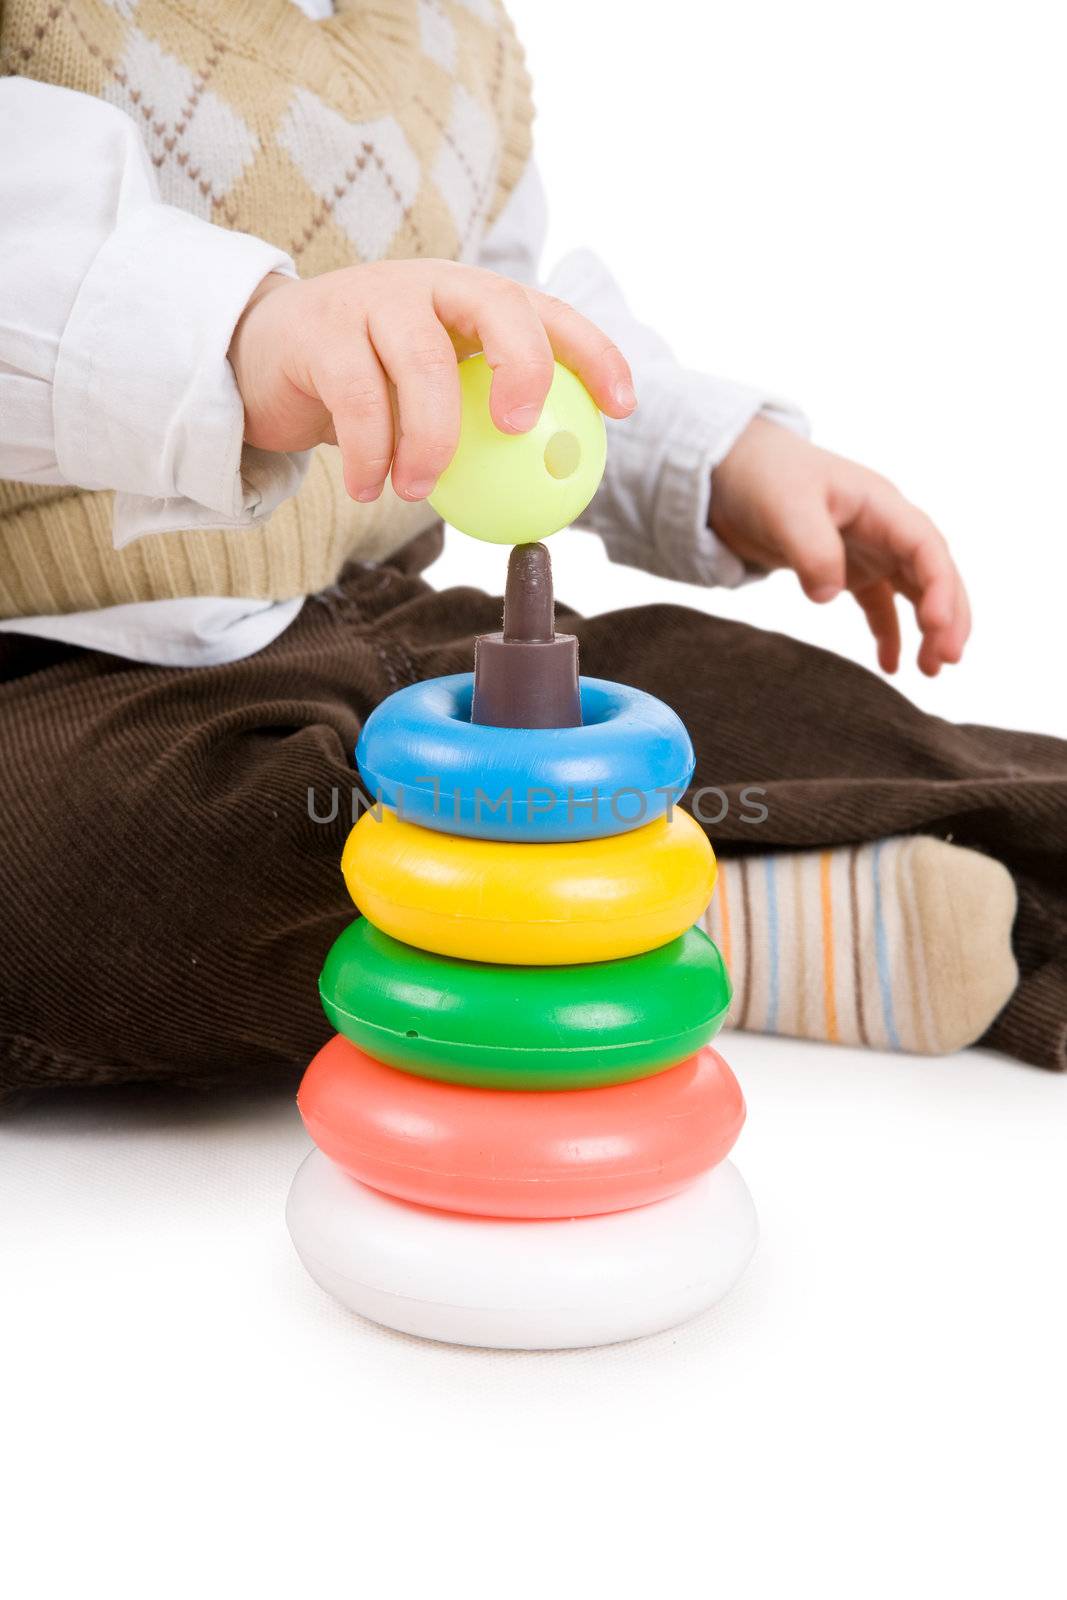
(503, 1027)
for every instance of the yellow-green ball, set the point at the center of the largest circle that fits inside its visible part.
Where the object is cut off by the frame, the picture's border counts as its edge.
(514, 488)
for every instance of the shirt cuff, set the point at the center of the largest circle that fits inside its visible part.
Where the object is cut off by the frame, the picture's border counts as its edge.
(144, 398)
(654, 509)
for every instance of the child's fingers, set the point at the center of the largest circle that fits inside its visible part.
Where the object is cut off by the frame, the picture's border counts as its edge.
(588, 352)
(926, 572)
(929, 658)
(486, 312)
(963, 614)
(935, 605)
(356, 394)
(420, 362)
(934, 574)
(878, 603)
(811, 544)
(515, 344)
(520, 330)
(941, 606)
(948, 642)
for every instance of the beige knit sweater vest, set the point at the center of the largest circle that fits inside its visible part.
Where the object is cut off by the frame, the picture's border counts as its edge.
(259, 119)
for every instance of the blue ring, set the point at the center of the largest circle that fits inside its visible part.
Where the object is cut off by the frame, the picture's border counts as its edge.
(624, 766)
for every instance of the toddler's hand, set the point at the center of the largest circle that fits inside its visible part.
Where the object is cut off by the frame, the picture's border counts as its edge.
(365, 358)
(778, 501)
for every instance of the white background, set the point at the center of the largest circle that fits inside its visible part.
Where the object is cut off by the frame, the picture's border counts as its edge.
(861, 206)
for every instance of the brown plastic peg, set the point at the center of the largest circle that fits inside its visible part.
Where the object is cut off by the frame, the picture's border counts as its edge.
(526, 676)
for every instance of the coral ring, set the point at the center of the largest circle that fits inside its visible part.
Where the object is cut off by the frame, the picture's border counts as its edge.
(520, 1155)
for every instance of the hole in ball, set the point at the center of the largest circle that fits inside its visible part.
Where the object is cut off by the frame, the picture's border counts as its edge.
(412, 1033)
(562, 454)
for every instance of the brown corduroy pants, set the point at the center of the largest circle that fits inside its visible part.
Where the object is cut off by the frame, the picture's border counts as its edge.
(168, 895)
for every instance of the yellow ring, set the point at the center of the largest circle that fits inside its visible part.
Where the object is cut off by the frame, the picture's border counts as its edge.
(530, 904)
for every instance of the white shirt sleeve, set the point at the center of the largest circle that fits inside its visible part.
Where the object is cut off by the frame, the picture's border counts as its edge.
(652, 508)
(116, 313)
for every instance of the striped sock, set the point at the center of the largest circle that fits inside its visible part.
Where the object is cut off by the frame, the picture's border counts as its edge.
(900, 945)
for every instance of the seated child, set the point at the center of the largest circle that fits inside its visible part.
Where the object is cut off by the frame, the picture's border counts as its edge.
(243, 248)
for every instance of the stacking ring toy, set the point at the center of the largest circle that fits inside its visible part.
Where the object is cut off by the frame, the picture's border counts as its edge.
(530, 905)
(553, 1155)
(524, 1027)
(627, 764)
(519, 1285)
(513, 488)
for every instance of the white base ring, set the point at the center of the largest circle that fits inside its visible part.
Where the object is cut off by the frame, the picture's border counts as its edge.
(522, 1285)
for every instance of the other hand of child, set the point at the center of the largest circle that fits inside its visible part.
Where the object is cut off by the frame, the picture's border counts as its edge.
(365, 358)
(778, 501)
